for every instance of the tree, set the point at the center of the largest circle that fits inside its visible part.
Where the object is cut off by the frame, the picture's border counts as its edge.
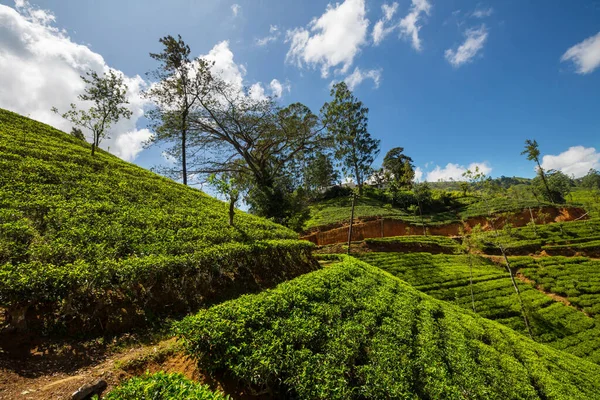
(252, 137)
(532, 152)
(346, 119)
(556, 187)
(175, 94)
(77, 133)
(591, 180)
(400, 166)
(108, 95)
(319, 172)
(422, 193)
(228, 186)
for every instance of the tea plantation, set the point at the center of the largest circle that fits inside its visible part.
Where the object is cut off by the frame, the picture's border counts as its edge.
(447, 277)
(352, 331)
(99, 244)
(576, 278)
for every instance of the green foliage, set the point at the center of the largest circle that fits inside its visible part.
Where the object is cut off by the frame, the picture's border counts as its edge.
(573, 235)
(446, 277)
(575, 278)
(591, 180)
(351, 331)
(558, 184)
(320, 172)
(163, 386)
(346, 120)
(415, 242)
(400, 166)
(108, 97)
(72, 225)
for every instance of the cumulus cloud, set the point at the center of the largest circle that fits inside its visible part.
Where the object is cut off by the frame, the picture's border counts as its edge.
(332, 40)
(41, 68)
(235, 9)
(274, 34)
(453, 172)
(474, 42)
(585, 55)
(383, 27)
(576, 161)
(418, 174)
(410, 25)
(356, 77)
(224, 64)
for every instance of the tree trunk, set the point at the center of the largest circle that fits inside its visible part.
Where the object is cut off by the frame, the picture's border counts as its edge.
(545, 182)
(231, 210)
(533, 222)
(351, 222)
(422, 220)
(514, 283)
(183, 139)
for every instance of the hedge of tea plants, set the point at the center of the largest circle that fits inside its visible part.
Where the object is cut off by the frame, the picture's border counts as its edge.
(163, 386)
(93, 243)
(447, 277)
(352, 331)
(576, 278)
(437, 244)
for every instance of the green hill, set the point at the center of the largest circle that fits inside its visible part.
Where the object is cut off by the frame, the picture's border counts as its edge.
(96, 243)
(352, 331)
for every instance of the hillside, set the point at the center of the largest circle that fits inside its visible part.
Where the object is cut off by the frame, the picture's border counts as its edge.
(354, 331)
(96, 243)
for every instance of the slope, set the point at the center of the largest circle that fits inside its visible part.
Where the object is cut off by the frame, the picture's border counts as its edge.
(354, 331)
(96, 243)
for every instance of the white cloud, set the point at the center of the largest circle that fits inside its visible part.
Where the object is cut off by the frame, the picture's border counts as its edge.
(576, 161)
(483, 12)
(418, 174)
(235, 9)
(585, 55)
(278, 88)
(453, 172)
(475, 39)
(332, 40)
(224, 65)
(41, 68)
(274, 34)
(409, 25)
(382, 27)
(356, 77)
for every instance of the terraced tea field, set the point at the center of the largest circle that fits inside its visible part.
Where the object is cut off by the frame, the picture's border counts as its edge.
(447, 277)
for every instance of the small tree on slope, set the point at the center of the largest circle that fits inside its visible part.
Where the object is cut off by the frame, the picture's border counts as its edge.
(108, 95)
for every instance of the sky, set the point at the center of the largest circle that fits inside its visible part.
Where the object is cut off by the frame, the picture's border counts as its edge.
(457, 83)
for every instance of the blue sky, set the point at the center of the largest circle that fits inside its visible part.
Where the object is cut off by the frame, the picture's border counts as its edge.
(452, 81)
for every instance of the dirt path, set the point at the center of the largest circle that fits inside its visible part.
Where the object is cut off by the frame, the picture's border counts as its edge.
(27, 379)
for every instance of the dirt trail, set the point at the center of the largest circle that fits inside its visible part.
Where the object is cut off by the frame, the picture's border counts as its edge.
(29, 379)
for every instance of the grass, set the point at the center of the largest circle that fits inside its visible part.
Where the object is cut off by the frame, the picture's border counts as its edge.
(446, 277)
(352, 331)
(83, 237)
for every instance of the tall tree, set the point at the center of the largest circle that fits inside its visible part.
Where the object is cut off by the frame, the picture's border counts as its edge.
(253, 137)
(108, 97)
(228, 186)
(175, 94)
(532, 152)
(400, 166)
(346, 118)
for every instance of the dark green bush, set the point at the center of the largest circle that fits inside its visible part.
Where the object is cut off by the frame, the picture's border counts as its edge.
(163, 386)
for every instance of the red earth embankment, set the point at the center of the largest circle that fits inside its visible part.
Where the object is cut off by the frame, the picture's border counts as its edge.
(382, 227)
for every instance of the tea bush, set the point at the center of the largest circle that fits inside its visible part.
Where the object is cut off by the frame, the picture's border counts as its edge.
(163, 386)
(352, 331)
(446, 277)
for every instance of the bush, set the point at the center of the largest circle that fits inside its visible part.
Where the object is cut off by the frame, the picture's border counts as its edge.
(163, 386)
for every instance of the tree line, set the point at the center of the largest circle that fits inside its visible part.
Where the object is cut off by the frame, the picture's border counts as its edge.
(277, 157)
